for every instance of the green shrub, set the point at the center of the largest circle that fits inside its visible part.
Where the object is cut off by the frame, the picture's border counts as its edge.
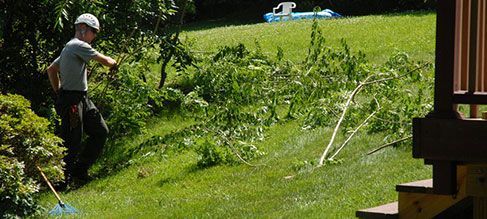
(211, 153)
(25, 142)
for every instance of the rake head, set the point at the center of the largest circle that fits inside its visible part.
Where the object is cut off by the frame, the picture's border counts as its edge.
(62, 209)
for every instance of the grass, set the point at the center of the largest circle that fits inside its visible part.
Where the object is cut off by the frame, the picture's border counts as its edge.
(281, 184)
(377, 36)
(174, 187)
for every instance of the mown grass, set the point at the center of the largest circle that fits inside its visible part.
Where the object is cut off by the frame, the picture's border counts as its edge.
(280, 184)
(175, 187)
(377, 36)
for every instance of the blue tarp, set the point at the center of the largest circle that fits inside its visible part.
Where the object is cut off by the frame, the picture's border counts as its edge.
(327, 13)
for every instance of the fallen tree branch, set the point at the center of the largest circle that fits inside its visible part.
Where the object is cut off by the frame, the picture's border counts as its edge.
(389, 144)
(349, 101)
(335, 131)
(353, 133)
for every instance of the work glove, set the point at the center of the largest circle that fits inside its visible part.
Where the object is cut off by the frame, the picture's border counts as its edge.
(114, 69)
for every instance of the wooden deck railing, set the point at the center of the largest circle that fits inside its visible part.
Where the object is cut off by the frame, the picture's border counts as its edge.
(470, 69)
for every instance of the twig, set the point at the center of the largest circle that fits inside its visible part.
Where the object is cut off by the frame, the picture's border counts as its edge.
(389, 144)
(241, 159)
(353, 133)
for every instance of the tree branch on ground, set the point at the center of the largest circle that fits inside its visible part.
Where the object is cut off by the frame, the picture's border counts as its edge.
(353, 133)
(389, 144)
(350, 100)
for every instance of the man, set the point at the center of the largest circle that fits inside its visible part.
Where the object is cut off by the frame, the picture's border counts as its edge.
(68, 78)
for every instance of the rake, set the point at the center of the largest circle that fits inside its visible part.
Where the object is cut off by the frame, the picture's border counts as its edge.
(61, 208)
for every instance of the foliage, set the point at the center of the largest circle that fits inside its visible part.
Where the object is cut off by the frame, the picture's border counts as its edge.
(235, 95)
(255, 8)
(392, 96)
(210, 154)
(25, 142)
(32, 37)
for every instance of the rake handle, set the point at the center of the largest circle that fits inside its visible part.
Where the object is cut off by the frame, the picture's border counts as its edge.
(50, 186)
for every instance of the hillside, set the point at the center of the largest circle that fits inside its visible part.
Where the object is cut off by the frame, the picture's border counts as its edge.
(283, 182)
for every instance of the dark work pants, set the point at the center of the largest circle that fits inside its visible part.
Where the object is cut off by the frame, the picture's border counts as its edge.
(79, 115)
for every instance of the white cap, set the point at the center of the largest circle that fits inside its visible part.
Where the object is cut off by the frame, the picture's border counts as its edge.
(89, 20)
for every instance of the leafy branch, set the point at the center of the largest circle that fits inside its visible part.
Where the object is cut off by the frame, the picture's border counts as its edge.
(361, 85)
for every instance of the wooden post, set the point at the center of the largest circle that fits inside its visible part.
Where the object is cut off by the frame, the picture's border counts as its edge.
(472, 62)
(477, 187)
(445, 59)
(479, 207)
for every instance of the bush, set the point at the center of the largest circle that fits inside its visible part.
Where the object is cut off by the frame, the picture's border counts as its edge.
(25, 142)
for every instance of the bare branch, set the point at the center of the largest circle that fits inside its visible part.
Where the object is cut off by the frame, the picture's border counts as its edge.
(347, 105)
(389, 144)
(349, 101)
(353, 133)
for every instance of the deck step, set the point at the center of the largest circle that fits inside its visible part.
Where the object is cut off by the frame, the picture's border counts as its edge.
(422, 187)
(387, 211)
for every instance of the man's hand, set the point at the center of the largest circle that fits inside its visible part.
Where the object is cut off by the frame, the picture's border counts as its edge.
(52, 72)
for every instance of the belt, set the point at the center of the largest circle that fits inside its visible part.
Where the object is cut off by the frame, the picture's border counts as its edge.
(77, 92)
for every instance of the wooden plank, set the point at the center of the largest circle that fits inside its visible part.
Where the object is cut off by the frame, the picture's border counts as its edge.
(484, 42)
(477, 180)
(472, 59)
(465, 40)
(475, 98)
(462, 209)
(417, 205)
(450, 139)
(422, 186)
(479, 207)
(387, 211)
(480, 48)
(458, 48)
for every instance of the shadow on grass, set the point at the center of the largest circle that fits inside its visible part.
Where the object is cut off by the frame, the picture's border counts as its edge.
(210, 24)
(191, 169)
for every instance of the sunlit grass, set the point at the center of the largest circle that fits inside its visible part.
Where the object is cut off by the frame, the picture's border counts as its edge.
(378, 36)
(280, 184)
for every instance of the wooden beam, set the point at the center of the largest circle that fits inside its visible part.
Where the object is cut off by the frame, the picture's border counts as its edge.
(450, 139)
(444, 177)
(468, 98)
(445, 59)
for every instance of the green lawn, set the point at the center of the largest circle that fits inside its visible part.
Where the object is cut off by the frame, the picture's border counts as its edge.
(377, 36)
(279, 185)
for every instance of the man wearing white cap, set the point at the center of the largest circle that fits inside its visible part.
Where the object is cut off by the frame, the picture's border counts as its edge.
(68, 78)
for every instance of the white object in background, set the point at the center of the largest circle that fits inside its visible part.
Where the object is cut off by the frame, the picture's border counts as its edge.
(287, 9)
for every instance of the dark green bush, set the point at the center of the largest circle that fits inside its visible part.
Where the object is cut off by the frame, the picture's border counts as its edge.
(25, 142)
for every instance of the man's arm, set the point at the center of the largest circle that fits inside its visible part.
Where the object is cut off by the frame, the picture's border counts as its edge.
(105, 60)
(52, 72)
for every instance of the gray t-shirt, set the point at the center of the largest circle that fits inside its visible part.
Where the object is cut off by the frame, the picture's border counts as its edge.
(72, 64)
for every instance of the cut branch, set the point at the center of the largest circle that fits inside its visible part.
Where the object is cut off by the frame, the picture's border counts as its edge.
(347, 105)
(349, 101)
(353, 133)
(389, 144)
